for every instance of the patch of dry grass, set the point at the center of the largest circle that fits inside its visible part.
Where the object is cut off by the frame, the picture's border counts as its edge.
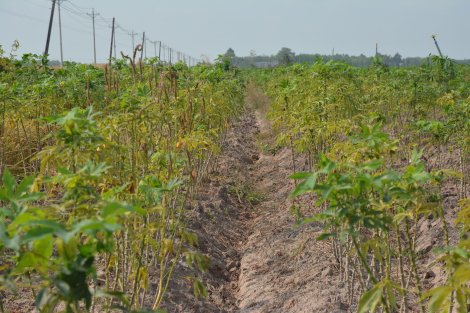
(256, 99)
(21, 144)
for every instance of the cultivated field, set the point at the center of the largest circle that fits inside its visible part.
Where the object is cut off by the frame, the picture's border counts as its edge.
(150, 187)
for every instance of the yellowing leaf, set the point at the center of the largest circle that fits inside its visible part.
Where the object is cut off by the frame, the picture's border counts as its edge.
(167, 246)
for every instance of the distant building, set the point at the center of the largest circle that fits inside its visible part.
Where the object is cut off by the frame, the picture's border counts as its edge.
(273, 63)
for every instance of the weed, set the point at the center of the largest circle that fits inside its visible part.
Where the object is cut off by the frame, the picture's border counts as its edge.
(295, 211)
(299, 249)
(255, 98)
(245, 191)
(433, 197)
(211, 216)
(265, 147)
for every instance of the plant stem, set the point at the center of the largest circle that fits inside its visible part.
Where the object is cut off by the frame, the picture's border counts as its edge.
(384, 303)
(21, 148)
(137, 275)
(413, 264)
(400, 266)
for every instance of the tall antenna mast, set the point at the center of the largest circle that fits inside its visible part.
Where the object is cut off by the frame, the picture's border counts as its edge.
(437, 46)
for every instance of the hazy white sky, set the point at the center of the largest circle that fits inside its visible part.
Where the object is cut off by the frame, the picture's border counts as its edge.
(210, 27)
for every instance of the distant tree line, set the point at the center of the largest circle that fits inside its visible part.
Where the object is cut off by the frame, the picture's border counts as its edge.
(287, 56)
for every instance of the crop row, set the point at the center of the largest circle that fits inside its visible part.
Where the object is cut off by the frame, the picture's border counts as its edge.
(100, 169)
(381, 145)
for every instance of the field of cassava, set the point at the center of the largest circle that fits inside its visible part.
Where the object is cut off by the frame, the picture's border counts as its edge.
(150, 187)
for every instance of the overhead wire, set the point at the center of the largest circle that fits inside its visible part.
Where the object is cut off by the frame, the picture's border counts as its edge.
(55, 23)
(78, 11)
(79, 8)
(37, 4)
(81, 14)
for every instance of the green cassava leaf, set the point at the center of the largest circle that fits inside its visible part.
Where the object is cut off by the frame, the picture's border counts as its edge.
(9, 182)
(301, 175)
(41, 298)
(30, 197)
(63, 287)
(4, 196)
(37, 233)
(370, 299)
(7, 212)
(305, 186)
(199, 289)
(325, 236)
(114, 295)
(24, 186)
(372, 166)
(438, 296)
(115, 208)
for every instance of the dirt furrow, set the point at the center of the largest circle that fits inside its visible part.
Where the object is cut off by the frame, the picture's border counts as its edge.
(260, 263)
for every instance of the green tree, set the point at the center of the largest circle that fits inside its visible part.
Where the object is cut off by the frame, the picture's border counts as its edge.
(230, 53)
(396, 59)
(285, 56)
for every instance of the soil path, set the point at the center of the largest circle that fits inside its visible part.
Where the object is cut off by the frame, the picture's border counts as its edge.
(260, 263)
(284, 269)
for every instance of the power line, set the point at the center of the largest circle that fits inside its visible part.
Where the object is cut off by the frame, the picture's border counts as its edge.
(76, 19)
(37, 5)
(78, 11)
(55, 23)
(82, 14)
(80, 8)
(24, 16)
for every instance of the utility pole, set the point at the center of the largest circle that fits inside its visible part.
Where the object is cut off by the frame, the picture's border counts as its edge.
(142, 52)
(60, 35)
(376, 49)
(50, 28)
(133, 47)
(159, 50)
(437, 46)
(115, 42)
(94, 41)
(333, 54)
(111, 49)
